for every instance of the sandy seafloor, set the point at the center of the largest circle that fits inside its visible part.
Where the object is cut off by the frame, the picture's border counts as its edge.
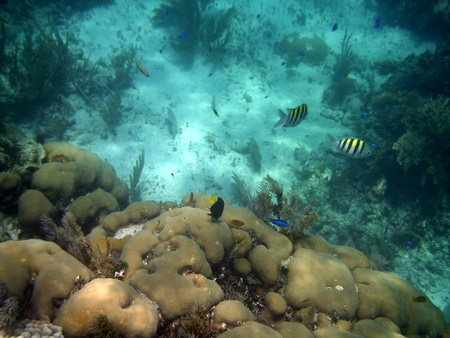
(247, 92)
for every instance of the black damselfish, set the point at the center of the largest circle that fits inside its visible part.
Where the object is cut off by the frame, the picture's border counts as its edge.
(217, 208)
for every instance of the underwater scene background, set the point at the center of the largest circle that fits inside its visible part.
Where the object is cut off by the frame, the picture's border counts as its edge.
(122, 123)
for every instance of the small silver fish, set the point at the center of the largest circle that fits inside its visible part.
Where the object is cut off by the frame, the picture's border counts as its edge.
(352, 147)
(295, 116)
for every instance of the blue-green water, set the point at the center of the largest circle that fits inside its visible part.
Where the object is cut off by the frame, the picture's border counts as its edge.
(218, 74)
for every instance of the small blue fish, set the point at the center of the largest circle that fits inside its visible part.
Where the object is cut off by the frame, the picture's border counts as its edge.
(279, 222)
(408, 242)
(165, 11)
(182, 35)
(335, 27)
(377, 23)
(363, 115)
(301, 53)
(373, 144)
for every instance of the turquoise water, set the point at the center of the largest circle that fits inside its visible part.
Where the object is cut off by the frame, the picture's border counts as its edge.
(218, 74)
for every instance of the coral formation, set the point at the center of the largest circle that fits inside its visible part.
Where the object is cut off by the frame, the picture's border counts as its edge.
(172, 258)
(52, 271)
(33, 205)
(326, 285)
(181, 270)
(91, 209)
(230, 312)
(71, 172)
(128, 313)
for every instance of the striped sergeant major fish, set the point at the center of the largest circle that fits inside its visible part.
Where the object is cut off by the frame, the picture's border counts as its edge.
(295, 116)
(352, 147)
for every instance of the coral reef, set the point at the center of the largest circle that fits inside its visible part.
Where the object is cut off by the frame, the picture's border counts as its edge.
(172, 258)
(182, 271)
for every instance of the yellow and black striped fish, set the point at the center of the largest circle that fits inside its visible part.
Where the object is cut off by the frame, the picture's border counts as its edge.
(353, 147)
(295, 116)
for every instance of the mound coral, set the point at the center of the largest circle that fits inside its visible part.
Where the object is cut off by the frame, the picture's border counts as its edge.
(52, 272)
(176, 268)
(71, 172)
(70, 178)
(128, 314)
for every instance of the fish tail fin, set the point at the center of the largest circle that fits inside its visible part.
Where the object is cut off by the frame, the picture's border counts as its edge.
(283, 118)
(333, 141)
